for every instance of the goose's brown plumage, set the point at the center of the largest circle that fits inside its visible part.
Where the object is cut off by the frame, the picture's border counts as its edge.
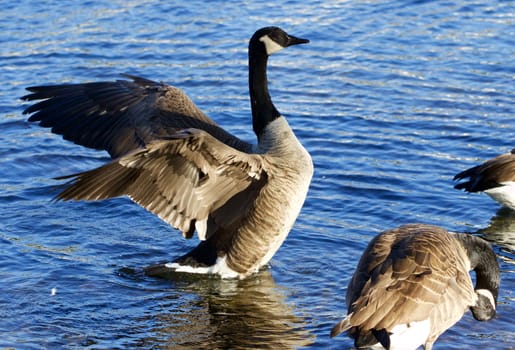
(120, 116)
(173, 160)
(495, 177)
(410, 274)
(182, 179)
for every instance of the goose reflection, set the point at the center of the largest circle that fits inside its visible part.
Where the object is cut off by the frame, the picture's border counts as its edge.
(230, 314)
(501, 232)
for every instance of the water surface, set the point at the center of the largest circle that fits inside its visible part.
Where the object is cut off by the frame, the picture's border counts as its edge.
(390, 98)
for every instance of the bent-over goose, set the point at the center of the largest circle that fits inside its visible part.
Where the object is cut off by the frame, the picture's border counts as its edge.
(173, 160)
(412, 283)
(495, 177)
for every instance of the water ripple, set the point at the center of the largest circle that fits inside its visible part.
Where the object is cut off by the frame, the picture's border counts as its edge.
(391, 99)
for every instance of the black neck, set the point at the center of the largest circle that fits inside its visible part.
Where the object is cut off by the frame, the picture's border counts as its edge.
(263, 110)
(484, 263)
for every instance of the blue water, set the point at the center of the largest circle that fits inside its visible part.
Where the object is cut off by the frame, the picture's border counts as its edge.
(391, 98)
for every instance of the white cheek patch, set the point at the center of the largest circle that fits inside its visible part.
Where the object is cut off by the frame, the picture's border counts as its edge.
(488, 294)
(270, 45)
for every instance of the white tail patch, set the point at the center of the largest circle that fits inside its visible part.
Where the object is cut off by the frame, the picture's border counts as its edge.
(409, 336)
(504, 194)
(219, 268)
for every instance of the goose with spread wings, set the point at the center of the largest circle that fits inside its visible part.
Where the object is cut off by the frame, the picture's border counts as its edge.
(172, 159)
(412, 283)
(495, 177)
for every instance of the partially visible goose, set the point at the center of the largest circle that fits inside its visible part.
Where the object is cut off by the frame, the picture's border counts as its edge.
(177, 163)
(412, 283)
(495, 177)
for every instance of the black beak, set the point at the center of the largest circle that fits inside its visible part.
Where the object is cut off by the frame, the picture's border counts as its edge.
(292, 40)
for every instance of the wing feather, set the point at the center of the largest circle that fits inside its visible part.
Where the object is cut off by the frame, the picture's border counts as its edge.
(120, 116)
(182, 179)
(490, 174)
(404, 273)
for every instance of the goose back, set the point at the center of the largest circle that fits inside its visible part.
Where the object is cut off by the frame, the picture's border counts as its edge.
(414, 278)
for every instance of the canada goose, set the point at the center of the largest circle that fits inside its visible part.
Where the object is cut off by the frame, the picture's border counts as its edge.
(177, 163)
(412, 283)
(495, 177)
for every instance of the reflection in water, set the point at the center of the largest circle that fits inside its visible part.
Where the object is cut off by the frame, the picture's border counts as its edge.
(501, 232)
(230, 314)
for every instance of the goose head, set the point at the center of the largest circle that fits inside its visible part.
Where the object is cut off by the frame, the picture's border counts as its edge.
(483, 261)
(484, 309)
(263, 43)
(269, 40)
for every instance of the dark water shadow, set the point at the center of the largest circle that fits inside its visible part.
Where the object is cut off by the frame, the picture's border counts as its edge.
(208, 312)
(501, 231)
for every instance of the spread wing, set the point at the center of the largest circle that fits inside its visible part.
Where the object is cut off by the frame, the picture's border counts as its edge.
(182, 179)
(492, 173)
(120, 116)
(405, 277)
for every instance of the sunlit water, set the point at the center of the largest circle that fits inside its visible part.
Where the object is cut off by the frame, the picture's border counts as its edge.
(390, 98)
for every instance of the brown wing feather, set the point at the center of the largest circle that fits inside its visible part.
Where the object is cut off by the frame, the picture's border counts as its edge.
(489, 174)
(404, 274)
(120, 116)
(182, 179)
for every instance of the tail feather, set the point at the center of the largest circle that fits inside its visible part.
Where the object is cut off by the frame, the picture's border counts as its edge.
(463, 186)
(341, 326)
